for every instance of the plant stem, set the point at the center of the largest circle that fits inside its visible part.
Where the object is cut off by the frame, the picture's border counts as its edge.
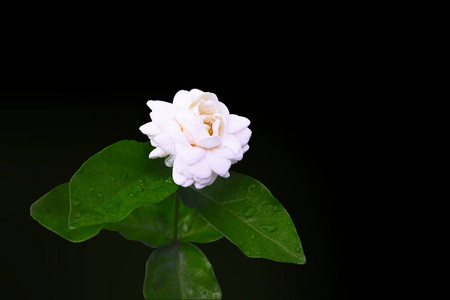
(175, 222)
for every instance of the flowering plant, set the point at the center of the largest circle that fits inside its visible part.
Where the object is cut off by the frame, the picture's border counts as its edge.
(190, 197)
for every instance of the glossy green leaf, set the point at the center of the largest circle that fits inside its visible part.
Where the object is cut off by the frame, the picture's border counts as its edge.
(52, 212)
(153, 224)
(180, 272)
(247, 214)
(115, 181)
(192, 227)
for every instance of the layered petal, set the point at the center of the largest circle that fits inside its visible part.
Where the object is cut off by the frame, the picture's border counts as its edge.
(183, 99)
(243, 136)
(198, 136)
(237, 123)
(158, 152)
(200, 170)
(150, 129)
(208, 142)
(232, 143)
(218, 164)
(161, 111)
(165, 142)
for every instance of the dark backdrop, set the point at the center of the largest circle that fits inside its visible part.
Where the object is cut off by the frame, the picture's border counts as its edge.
(51, 122)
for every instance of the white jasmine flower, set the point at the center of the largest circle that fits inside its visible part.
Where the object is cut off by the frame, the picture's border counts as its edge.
(198, 135)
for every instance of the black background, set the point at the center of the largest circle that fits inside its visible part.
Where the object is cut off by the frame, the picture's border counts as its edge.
(53, 119)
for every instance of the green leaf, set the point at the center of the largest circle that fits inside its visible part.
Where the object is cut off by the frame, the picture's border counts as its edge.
(52, 212)
(153, 224)
(247, 214)
(192, 227)
(180, 272)
(115, 181)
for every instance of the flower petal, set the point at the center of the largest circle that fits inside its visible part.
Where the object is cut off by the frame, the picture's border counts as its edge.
(211, 96)
(180, 173)
(218, 164)
(208, 142)
(158, 152)
(237, 123)
(243, 136)
(245, 148)
(196, 93)
(169, 160)
(150, 129)
(180, 179)
(200, 170)
(183, 99)
(223, 109)
(174, 130)
(190, 155)
(201, 183)
(224, 152)
(161, 111)
(231, 142)
(194, 155)
(191, 125)
(165, 142)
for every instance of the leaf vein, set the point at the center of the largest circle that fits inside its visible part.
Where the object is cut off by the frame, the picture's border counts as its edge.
(249, 225)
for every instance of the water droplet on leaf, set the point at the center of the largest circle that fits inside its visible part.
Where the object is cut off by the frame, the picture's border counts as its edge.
(136, 189)
(76, 203)
(249, 211)
(269, 228)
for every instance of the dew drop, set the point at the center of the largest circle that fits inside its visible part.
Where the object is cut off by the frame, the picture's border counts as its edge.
(131, 195)
(249, 211)
(136, 189)
(269, 227)
(140, 181)
(298, 249)
(76, 203)
(248, 253)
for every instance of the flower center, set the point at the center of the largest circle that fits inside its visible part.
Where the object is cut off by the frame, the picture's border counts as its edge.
(208, 112)
(208, 122)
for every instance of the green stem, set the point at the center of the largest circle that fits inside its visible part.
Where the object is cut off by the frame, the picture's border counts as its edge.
(175, 223)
